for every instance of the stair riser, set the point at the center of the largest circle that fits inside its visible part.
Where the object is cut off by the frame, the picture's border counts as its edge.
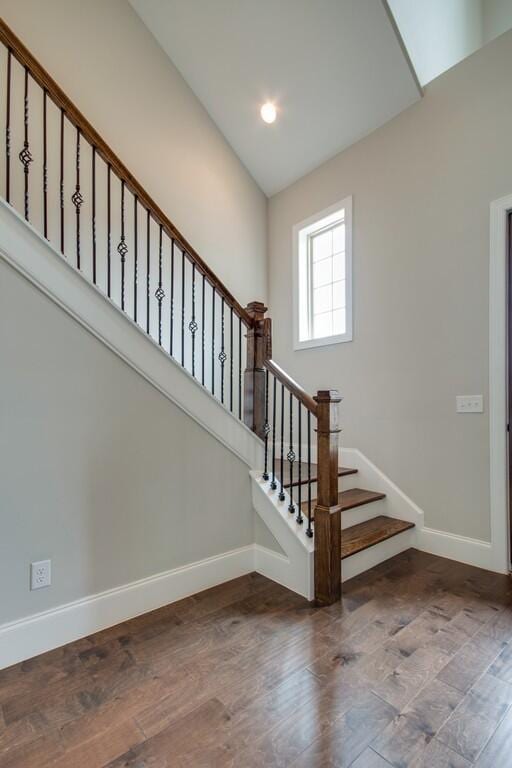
(363, 513)
(369, 558)
(344, 484)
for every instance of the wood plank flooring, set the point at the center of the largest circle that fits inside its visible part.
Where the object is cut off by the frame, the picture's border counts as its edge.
(413, 668)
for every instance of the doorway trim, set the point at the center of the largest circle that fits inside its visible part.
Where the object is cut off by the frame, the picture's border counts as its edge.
(498, 415)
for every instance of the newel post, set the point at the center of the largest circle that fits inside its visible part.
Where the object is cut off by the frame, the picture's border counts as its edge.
(258, 349)
(327, 513)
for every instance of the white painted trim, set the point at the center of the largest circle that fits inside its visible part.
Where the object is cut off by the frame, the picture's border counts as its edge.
(347, 205)
(460, 548)
(42, 632)
(498, 382)
(27, 251)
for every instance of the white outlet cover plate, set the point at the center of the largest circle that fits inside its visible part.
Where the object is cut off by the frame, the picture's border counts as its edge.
(470, 403)
(40, 574)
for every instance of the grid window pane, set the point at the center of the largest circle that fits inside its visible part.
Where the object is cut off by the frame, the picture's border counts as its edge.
(338, 295)
(321, 245)
(322, 299)
(338, 234)
(322, 272)
(338, 266)
(339, 321)
(322, 325)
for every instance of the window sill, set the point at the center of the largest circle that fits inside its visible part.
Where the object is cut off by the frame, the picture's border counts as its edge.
(323, 342)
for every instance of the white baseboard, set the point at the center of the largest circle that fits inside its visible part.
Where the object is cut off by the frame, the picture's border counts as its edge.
(461, 548)
(30, 636)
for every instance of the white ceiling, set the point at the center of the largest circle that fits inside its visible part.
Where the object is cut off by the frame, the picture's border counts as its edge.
(334, 68)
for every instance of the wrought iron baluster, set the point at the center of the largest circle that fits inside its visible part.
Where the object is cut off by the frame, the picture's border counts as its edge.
(213, 340)
(203, 328)
(183, 308)
(77, 198)
(8, 129)
(273, 483)
(281, 479)
(93, 215)
(61, 182)
(135, 254)
(148, 270)
(299, 518)
(193, 326)
(109, 232)
(25, 155)
(171, 308)
(231, 359)
(239, 367)
(45, 166)
(222, 353)
(266, 429)
(291, 457)
(309, 530)
(122, 248)
(159, 293)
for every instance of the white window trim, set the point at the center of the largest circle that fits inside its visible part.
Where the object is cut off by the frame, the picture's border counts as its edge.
(346, 204)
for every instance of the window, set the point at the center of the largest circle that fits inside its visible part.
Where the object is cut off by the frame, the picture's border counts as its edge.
(323, 277)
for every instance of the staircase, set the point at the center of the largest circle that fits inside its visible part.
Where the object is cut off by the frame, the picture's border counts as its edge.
(69, 185)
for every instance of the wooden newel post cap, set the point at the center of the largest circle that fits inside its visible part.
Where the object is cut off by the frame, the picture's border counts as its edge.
(256, 309)
(328, 396)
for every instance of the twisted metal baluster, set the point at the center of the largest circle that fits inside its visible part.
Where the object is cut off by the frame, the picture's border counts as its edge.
(159, 293)
(148, 270)
(193, 326)
(213, 341)
(109, 232)
(222, 353)
(281, 479)
(45, 167)
(8, 129)
(122, 248)
(291, 457)
(273, 483)
(25, 155)
(135, 254)
(309, 530)
(266, 428)
(202, 328)
(299, 519)
(183, 308)
(77, 198)
(61, 182)
(171, 318)
(93, 215)
(240, 368)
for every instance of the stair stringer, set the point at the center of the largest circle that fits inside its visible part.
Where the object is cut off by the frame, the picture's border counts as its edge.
(294, 569)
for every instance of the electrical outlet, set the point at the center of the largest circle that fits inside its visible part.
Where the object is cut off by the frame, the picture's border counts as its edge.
(40, 574)
(470, 403)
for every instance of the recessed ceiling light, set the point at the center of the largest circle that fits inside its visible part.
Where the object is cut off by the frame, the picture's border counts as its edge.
(268, 112)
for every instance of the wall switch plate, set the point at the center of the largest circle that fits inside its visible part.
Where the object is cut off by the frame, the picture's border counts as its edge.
(40, 574)
(470, 403)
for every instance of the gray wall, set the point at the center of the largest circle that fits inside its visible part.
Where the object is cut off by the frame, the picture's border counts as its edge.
(98, 471)
(106, 60)
(421, 185)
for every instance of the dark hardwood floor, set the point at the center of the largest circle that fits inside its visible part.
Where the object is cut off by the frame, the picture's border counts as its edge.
(413, 668)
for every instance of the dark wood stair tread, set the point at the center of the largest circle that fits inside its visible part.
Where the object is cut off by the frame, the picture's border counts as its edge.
(342, 472)
(364, 535)
(354, 497)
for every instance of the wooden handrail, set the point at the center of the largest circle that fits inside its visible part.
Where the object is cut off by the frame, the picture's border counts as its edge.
(44, 79)
(292, 386)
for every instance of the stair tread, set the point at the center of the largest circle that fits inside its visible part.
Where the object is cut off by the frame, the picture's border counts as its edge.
(364, 535)
(354, 497)
(342, 472)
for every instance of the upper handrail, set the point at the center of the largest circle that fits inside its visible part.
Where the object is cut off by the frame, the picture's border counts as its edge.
(44, 79)
(292, 386)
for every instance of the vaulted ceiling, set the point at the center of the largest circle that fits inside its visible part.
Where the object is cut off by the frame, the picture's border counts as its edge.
(335, 69)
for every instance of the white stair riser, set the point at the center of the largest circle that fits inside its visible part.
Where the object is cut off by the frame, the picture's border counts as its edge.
(369, 558)
(365, 512)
